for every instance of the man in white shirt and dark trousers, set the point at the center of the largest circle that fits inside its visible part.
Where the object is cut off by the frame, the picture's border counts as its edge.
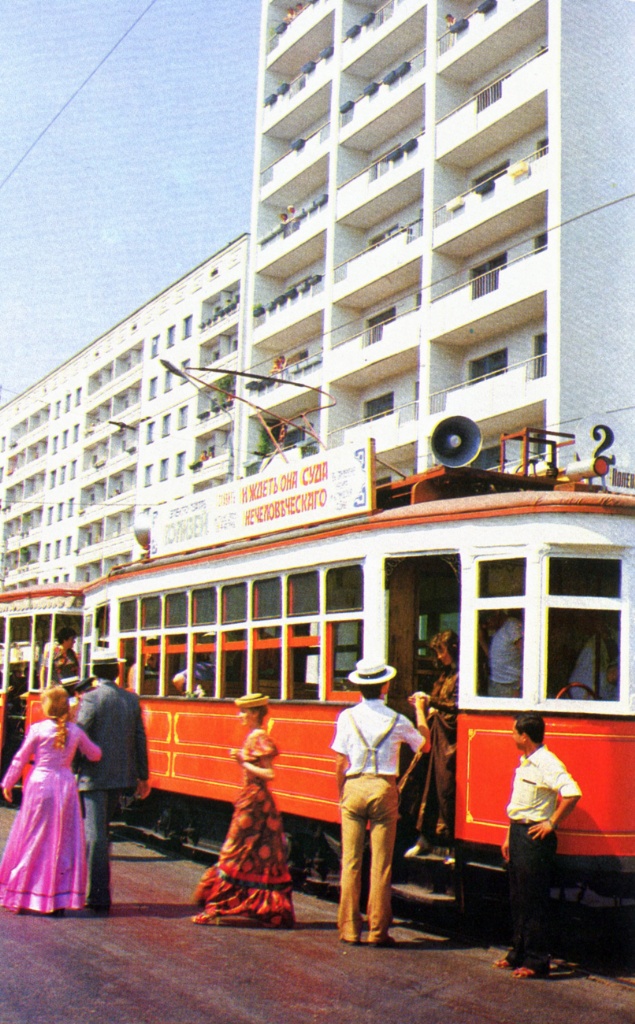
(543, 795)
(367, 741)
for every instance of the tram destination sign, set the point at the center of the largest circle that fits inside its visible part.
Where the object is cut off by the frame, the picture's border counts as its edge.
(332, 485)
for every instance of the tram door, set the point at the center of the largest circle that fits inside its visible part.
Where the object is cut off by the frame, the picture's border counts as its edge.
(424, 599)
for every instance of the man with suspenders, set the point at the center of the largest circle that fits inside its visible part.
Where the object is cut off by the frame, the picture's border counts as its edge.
(367, 741)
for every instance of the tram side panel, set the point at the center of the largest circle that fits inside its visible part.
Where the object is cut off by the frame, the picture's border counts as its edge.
(189, 744)
(599, 753)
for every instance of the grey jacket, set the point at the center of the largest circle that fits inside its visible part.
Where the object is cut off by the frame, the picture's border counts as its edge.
(112, 718)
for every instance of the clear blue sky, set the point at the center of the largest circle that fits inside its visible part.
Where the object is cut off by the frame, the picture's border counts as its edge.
(145, 174)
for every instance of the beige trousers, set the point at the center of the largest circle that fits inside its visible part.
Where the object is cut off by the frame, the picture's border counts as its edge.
(373, 800)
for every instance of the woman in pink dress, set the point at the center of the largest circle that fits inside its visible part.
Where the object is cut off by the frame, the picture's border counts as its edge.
(44, 863)
(251, 879)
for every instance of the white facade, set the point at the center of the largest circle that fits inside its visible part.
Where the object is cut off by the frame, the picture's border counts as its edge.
(440, 255)
(112, 432)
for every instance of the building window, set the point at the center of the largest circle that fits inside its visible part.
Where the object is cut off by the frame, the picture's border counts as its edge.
(168, 381)
(65, 439)
(152, 392)
(49, 515)
(485, 277)
(69, 542)
(171, 336)
(62, 474)
(163, 470)
(78, 397)
(488, 366)
(53, 478)
(165, 425)
(185, 366)
(67, 403)
(182, 417)
(180, 464)
(76, 433)
(71, 507)
(150, 433)
(58, 548)
(541, 242)
(539, 367)
(147, 476)
(47, 552)
(60, 511)
(73, 472)
(154, 347)
(58, 410)
(380, 406)
(375, 325)
(55, 441)
(187, 327)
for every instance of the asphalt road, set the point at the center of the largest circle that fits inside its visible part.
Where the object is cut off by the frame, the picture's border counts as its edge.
(148, 964)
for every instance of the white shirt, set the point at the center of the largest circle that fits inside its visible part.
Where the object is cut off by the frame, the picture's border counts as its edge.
(538, 781)
(370, 735)
(505, 656)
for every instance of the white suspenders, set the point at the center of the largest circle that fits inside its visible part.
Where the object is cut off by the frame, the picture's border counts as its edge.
(371, 749)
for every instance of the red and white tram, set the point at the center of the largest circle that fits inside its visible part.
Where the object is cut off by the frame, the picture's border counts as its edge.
(289, 612)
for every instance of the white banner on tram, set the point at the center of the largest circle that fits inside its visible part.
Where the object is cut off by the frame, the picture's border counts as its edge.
(334, 484)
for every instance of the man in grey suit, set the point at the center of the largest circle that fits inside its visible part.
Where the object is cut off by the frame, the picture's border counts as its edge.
(112, 718)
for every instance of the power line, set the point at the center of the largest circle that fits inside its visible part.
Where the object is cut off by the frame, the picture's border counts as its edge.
(74, 95)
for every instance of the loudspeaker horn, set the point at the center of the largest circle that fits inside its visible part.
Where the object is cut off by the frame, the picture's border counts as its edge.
(456, 441)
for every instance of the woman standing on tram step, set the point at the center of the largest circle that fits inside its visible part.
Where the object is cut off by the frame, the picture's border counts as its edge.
(44, 863)
(251, 879)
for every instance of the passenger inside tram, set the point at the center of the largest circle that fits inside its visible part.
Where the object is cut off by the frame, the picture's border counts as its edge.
(501, 639)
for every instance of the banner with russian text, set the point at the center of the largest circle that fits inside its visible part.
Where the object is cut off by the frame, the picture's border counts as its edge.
(332, 485)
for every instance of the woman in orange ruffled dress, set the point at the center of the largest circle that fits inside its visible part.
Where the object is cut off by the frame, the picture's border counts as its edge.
(251, 879)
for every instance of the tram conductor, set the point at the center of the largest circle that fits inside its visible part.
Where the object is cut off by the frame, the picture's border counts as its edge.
(367, 740)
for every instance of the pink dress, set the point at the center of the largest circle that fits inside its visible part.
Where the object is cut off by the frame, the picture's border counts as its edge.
(44, 863)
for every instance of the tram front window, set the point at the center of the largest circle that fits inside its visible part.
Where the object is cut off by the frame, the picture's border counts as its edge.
(583, 645)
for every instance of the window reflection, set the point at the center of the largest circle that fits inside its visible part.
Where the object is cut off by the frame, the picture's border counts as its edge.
(583, 654)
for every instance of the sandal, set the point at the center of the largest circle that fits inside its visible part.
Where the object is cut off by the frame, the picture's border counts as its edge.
(204, 919)
(503, 965)
(524, 972)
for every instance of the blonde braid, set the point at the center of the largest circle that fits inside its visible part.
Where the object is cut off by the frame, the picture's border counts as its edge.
(55, 706)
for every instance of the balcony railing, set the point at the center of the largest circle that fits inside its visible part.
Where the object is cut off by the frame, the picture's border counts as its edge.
(534, 369)
(405, 235)
(384, 164)
(489, 280)
(391, 81)
(287, 91)
(298, 147)
(450, 38)
(401, 415)
(312, 285)
(281, 28)
(494, 92)
(298, 222)
(372, 21)
(518, 171)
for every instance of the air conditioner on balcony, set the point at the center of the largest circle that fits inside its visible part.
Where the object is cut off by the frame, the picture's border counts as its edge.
(455, 204)
(518, 169)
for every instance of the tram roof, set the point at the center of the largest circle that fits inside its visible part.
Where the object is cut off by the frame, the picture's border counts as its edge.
(444, 510)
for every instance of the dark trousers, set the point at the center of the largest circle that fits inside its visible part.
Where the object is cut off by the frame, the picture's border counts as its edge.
(530, 869)
(99, 807)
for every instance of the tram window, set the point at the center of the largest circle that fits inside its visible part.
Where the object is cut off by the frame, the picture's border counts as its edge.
(204, 606)
(344, 589)
(19, 641)
(205, 664)
(102, 622)
(303, 642)
(176, 664)
(267, 661)
(128, 650)
(235, 602)
(150, 612)
(303, 593)
(88, 625)
(42, 648)
(234, 663)
(585, 577)
(127, 616)
(504, 577)
(346, 648)
(176, 609)
(583, 654)
(500, 652)
(267, 599)
(150, 667)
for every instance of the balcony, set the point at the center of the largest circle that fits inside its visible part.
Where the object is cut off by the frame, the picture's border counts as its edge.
(394, 344)
(222, 320)
(493, 118)
(292, 44)
(304, 165)
(386, 108)
(392, 430)
(304, 100)
(296, 244)
(512, 294)
(388, 267)
(268, 394)
(507, 27)
(382, 188)
(382, 35)
(301, 303)
(496, 394)
(213, 466)
(513, 202)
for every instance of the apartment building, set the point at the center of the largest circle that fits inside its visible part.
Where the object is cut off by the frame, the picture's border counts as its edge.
(116, 429)
(424, 234)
